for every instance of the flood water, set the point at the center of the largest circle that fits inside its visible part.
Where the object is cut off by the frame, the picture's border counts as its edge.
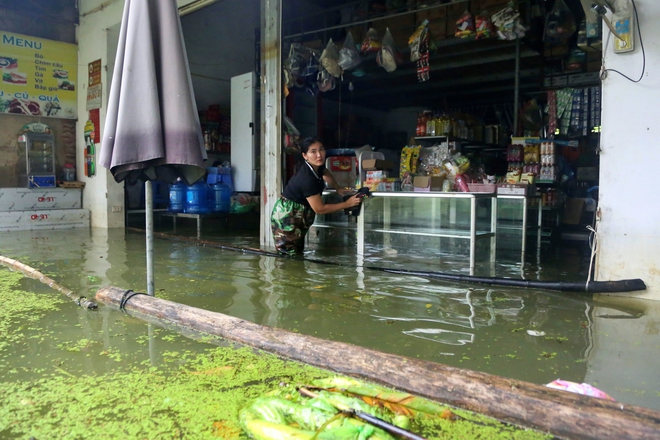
(610, 343)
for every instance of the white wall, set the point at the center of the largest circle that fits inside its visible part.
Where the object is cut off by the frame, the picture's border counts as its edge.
(629, 193)
(101, 191)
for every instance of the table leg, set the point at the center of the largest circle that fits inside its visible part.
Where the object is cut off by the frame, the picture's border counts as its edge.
(473, 232)
(493, 228)
(524, 229)
(387, 223)
(539, 226)
(360, 231)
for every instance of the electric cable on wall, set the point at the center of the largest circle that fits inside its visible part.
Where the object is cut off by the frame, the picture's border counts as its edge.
(603, 72)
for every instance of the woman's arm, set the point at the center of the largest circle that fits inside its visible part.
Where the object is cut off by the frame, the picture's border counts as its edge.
(330, 180)
(316, 202)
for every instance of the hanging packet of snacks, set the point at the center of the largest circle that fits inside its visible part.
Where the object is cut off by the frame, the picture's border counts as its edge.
(464, 25)
(423, 67)
(484, 26)
(386, 57)
(371, 42)
(507, 23)
(415, 40)
(330, 59)
(349, 57)
(560, 23)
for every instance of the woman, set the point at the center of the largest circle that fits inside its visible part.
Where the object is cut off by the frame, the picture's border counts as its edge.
(294, 212)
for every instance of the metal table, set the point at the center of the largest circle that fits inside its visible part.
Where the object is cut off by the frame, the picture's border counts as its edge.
(198, 217)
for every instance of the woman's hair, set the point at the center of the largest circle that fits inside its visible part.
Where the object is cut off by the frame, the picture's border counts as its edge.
(304, 148)
(307, 142)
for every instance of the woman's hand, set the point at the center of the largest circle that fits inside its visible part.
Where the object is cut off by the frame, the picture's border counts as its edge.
(354, 201)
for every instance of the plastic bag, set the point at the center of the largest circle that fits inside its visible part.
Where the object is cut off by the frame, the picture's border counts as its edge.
(386, 57)
(507, 24)
(579, 388)
(291, 137)
(465, 25)
(560, 22)
(484, 25)
(349, 57)
(295, 62)
(325, 81)
(461, 184)
(457, 164)
(330, 59)
(371, 42)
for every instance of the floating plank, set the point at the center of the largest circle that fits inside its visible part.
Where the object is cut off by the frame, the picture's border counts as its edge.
(526, 404)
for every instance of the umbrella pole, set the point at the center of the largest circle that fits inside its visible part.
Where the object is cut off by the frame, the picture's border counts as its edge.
(149, 216)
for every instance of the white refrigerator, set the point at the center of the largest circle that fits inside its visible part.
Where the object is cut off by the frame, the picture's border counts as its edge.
(245, 132)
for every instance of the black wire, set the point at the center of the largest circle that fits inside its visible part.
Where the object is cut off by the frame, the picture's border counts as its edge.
(125, 297)
(641, 43)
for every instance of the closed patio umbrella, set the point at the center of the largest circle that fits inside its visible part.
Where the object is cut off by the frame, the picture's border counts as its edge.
(152, 129)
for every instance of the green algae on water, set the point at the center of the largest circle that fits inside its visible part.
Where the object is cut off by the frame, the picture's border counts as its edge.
(199, 399)
(190, 395)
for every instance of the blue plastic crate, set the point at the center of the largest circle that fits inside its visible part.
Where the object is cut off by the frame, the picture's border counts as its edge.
(41, 181)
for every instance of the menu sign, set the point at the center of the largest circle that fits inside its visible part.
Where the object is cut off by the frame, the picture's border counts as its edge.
(38, 76)
(94, 69)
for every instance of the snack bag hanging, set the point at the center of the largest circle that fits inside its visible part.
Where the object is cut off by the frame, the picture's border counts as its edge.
(423, 66)
(415, 40)
(371, 42)
(484, 25)
(386, 57)
(560, 23)
(325, 81)
(507, 23)
(349, 57)
(330, 59)
(465, 25)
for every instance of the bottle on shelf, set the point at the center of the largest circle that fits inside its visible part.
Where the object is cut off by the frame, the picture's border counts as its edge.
(422, 124)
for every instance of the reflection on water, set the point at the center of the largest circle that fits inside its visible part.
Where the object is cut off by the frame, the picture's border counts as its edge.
(611, 345)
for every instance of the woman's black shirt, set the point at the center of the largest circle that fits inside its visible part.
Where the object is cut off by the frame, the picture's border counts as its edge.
(305, 184)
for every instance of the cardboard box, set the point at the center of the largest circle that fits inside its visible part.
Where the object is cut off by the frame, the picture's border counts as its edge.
(516, 189)
(428, 183)
(376, 164)
(376, 175)
(342, 163)
(573, 210)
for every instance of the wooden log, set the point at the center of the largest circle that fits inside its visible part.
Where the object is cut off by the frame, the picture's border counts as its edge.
(31, 272)
(560, 413)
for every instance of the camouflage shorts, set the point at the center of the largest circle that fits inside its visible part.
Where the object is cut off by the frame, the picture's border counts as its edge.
(290, 222)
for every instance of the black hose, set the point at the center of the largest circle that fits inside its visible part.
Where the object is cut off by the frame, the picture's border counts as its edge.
(563, 286)
(617, 286)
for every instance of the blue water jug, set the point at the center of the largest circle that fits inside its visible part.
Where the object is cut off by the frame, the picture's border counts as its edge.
(177, 197)
(197, 198)
(219, 197)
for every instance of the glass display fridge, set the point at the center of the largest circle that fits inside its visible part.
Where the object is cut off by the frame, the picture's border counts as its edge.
(36, 160)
